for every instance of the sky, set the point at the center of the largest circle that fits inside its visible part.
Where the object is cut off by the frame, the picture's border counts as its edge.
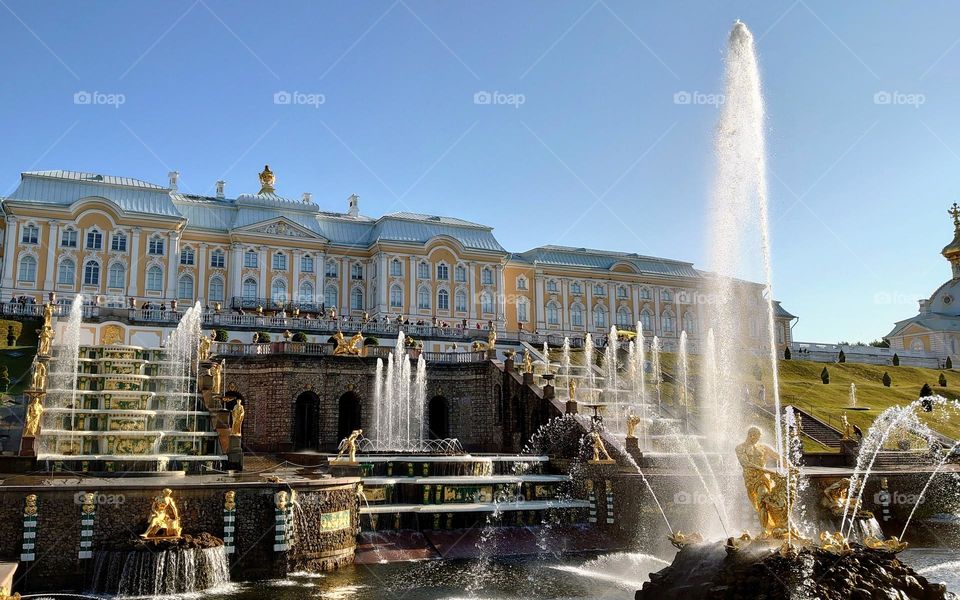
(555, 122)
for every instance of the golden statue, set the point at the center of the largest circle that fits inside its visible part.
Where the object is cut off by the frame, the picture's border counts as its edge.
(39, 380)
(216, 375)
(680, 539)
(230, 500)
(891, 545)
(766, 488)
(238, 414)
(492, 339)
(572, 389)
(836, 496)
(347, 347)
(267, 180)
(527, 361)
(599, 449)
(34, 414)
(45, 340)
(165, 516)
(30, 506)
(835, 543)
(48, 315)
(206, 344)
(281, 501)
(632, 422)
(349, 445)
(89, 503)
(847, 427)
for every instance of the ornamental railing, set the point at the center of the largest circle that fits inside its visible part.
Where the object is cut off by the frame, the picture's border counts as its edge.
(315, 349)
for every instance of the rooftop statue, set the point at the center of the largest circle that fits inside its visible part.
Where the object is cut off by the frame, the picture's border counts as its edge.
(267, 180)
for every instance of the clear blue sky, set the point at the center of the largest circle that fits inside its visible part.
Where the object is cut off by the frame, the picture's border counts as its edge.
(399, 125)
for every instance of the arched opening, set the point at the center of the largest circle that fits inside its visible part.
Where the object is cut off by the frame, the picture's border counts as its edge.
(306, 422)
(348, 415)
(438, 418)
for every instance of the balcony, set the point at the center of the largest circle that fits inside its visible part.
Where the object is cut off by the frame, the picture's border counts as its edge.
(313, 349)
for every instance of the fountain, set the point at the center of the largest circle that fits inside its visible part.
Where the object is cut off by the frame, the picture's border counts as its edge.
(400, 402)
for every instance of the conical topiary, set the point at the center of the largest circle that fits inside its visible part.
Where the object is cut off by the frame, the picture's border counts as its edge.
(825, 375)
(943, 380)
(886, 379)
(896, 359)
(842, 357)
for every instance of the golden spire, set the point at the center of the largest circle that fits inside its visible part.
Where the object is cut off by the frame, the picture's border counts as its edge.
(954, 211)
(267, 180)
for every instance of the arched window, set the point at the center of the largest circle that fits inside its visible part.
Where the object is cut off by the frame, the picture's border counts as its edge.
(460, 274)
(91, 273)
(187, 256)
(356, 272)
(600, 317)
(486, 276)
(689, 322)
(306, 264)
(396, 268)
(666, 296)
(356, 299)
(443, 300)
(423, 297)
(644, 293)
(94, 240)
(185, 287)
(28, 269)
(250, 259)
(646, 320)
(154, 279)
(249, 288)
(396, 296)
(217, 259)
(623, 317)
(31, 234)
(68, 238)
(423, 270)
(67, 272)
(279, 261)
(460, 301)
(116, 276)
(666, 322)
(215, 293)
(330, 296)
(486, 303)
(622, 292)
(443, 272)
(306, 292)
(278, 290)
(331, 269)
(553, 313)
(576, 315)
(523, 312)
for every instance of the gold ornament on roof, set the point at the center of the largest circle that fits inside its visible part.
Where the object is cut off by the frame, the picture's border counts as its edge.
(954, 211)
(267, 180)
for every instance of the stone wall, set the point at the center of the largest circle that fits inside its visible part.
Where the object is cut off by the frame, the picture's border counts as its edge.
(122, 512)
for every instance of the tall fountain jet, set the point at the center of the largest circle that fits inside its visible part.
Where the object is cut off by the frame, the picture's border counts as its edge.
(740, 250)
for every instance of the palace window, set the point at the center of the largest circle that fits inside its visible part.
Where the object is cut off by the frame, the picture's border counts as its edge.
(250, 260)
(278, 291)
(666, 321)
(187, 256)
(622, 292)
(522, 311)
(552, 286)
(94, 240)
(215, 293)
(28, 269)
(576, 315)
(154, 279)
(356, 272)
(396, 268)
(460, 301)
(31, 234)
(553, 313)
(423, 271)
(599, 317)
(623, 318)
(689, 322)
(443, 300)
(644, 293)
(356, 299)
(185, 287)
(68, 238)
(599, 289)
(330, 296)
(91, 273)
(460, 274)
(423, 298)
(67, 272)
(646, 320)
(331, 270)
(306, 292)
(396, 296)
(306, 264)
(443, 272)
(155, 247)
(486, 303)
(575, 288)
(249, 289)
(666, 296)
(218, 259)
(118, 242)
(521, 283)
(279, 261)
(116, 276)
(486, 276)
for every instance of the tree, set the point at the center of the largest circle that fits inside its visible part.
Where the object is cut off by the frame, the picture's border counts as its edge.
(825, 376)
(371, 341)
(786, 353)
(263, 337)
(221, 335)
(926, 390)
(299, 337)
(896, 359)
(949, 363)
(886, 379)
(842, 357)
(943, 380)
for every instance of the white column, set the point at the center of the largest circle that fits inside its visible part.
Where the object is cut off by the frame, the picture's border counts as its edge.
(656, 311)
(539, 303)
(500, 291)
(236, 263)
(295, 290)
(9, 249)
(51, 267)
(201, 287)
(134, 248)
(345, 286)
(413, 285)
(565, 324)
(173, 259)
(320, 268)
(612, 303)
(635, 296)
(382, 283)
(589, 299)
(472, 274)
(262, 290)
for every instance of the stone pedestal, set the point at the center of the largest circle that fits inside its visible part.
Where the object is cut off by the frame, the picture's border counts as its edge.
(508, 364)
(632, 445)
(235, 453)
(28, 446)
(343, 468)
(850, 449)
(572, 407)
(528, 379)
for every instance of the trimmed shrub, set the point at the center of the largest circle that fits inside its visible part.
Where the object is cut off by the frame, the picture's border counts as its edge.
(221, 335)
(943, 380)
(786, 353)
(825, 376)
(949, 363)
(896, 359)
(842, 357)
(886, 379)
(371, 341)
(299, 337)
(926, 390)
(263, 337)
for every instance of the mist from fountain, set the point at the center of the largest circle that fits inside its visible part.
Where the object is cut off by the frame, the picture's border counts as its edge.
(400, 401)
(62, 385)
(657, 370)
(853, 395)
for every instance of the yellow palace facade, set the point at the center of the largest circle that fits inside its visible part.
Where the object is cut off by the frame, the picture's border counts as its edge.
(122, 241)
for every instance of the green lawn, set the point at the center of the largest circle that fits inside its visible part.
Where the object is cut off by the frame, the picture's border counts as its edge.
(19, 357)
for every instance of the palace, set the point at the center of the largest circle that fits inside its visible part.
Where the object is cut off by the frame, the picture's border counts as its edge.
(124, 242)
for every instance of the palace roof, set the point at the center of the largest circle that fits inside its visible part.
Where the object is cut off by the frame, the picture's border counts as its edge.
(63, 188)
(566, 256)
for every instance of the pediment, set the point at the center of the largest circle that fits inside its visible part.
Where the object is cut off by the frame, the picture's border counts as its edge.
(280, 227)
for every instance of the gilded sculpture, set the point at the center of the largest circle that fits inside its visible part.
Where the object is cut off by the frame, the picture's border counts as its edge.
(206, 344)
(572, 389)
(680, 539)
(347, 347)
(600, 454)
(238, 414)
(30, 505)
(216, 376)
(836, 496)
(31, 426)
(349, 445)
(267, 180)
(89, 503)
(632, 422)
(846, 427)
(527, 361)
(164, 516)
(893, 544)
(835, 543)
(281, 501)
(39, 379)
(230, 500)
(766, 487)
(45, 340)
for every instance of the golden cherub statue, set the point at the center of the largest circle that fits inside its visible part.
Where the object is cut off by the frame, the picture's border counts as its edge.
(347, 347)
(164, 516)
(766, 488)
(632, 422)
(599, 449)
(206, 344)
(349, 445)
(267, 180)
(39, 379)
(847, 428)
(238, 414)
(31, 426)
(527, 361)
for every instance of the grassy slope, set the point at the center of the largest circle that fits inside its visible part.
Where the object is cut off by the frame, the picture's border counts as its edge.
(19, 358)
